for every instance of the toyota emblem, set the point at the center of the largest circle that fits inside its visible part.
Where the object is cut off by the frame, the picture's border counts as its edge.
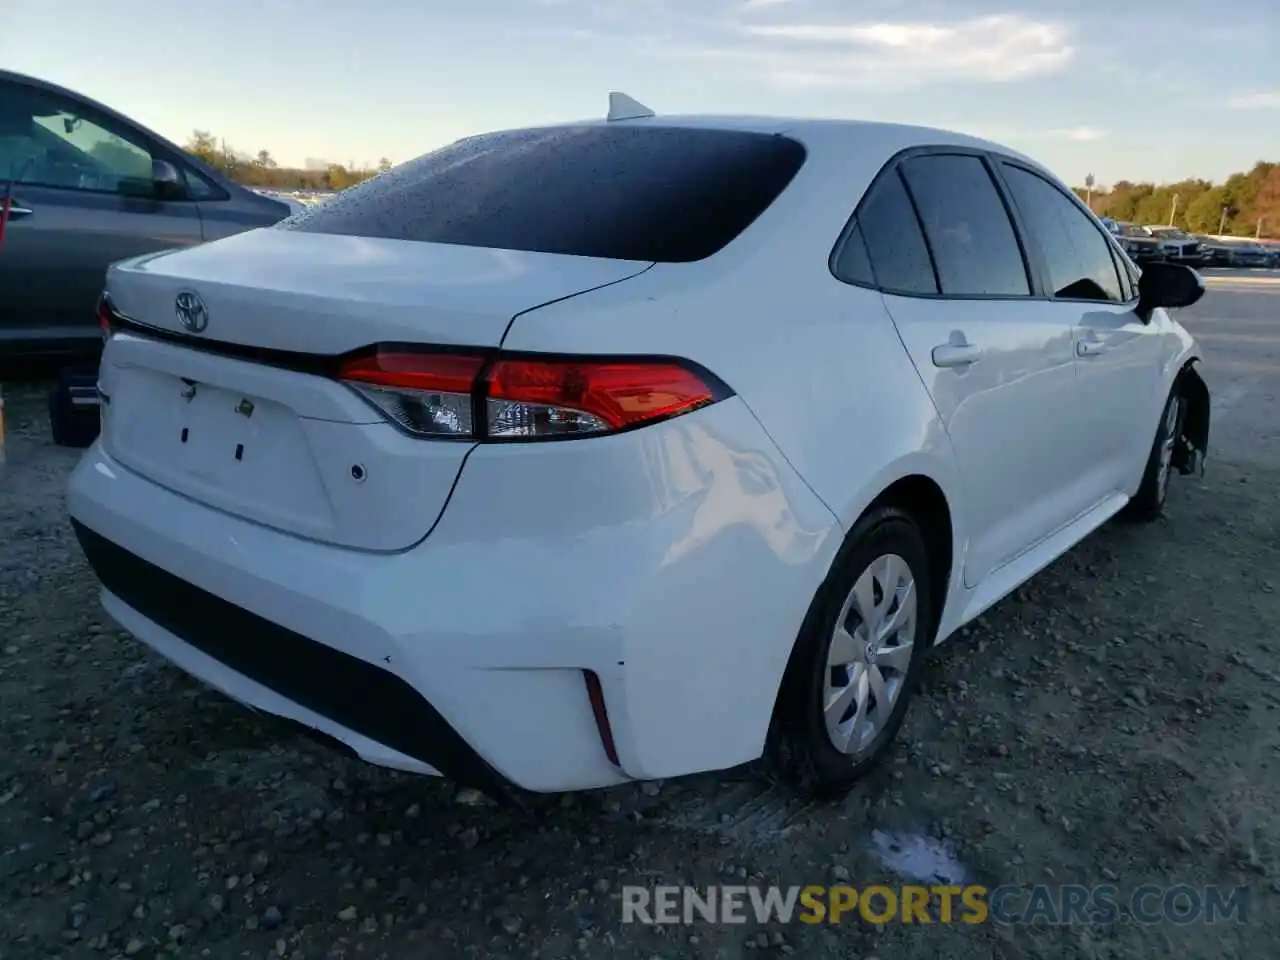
(191, 311)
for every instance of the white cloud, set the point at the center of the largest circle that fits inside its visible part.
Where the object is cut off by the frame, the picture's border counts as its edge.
(1079, 134)
(748, 5)
(1261, 100)
(988, 49)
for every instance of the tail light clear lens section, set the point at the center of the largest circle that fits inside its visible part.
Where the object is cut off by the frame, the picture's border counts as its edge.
(427, 395)
(473, 397)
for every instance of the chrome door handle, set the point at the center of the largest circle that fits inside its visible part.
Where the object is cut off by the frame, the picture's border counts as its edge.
(955, 354)
(1090, 348)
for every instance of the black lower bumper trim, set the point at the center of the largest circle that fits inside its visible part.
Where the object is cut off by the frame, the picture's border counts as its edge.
(347, 690)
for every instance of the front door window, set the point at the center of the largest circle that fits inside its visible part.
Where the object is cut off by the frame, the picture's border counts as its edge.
(51, 141)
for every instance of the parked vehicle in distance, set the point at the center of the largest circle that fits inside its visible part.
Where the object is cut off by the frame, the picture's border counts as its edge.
(1249, 254)
(89, 187)
(578, 455)
(297, 199)
(1218, 253)
(1136, 241)
(1179, 246)
(1272, 248)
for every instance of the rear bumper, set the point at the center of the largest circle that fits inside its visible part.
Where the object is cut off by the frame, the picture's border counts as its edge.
(647, 558)
(351, 693)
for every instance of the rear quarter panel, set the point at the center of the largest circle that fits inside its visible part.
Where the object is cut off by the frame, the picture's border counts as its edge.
(817, 361)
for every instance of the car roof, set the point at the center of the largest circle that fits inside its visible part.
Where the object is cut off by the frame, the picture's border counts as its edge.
(844, 158)
(865, 134)
(853, 150)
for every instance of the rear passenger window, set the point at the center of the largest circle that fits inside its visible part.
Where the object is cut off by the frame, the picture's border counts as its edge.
(853, 265)
(967, 226)
(1077, 255)
(895, 245)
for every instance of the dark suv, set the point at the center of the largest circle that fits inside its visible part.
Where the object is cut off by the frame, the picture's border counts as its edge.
(87, 186)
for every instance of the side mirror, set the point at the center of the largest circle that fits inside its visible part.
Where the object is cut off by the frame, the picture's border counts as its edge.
(1169, 285)
(167, 180)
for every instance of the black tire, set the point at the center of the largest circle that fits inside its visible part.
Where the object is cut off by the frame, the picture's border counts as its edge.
(1147, 505)
(799, 749)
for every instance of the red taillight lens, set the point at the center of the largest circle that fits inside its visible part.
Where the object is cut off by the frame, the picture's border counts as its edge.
(532, 398)
(105, 314)
(433, 372)
(526, 397)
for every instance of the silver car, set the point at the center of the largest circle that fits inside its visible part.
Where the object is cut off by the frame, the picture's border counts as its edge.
(86, 187)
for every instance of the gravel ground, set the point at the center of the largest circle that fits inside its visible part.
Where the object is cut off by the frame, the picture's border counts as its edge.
(1113, 722)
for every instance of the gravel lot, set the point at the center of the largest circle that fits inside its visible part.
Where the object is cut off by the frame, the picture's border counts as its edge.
(1115, 721)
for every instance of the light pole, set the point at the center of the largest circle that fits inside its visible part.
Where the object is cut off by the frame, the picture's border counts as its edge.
(1088, 187)
(1173, 210)
(1222, 222)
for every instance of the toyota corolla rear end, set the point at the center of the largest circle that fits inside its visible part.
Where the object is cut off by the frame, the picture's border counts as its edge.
(323, 486)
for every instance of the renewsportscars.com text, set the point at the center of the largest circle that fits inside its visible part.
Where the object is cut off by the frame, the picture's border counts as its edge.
(1058, 905)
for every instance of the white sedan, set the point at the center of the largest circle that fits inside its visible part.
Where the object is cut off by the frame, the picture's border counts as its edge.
(572, 456)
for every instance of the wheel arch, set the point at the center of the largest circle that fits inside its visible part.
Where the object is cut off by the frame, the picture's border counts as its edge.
(923, 499)
(1193, 444)
(921, 496)
(925, 485)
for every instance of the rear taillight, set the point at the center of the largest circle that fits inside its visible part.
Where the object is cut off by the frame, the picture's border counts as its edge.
(526, 397)
(534, 398)
(428, 395)
(105, 314)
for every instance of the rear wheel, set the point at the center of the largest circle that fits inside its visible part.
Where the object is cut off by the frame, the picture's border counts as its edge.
(857, 660)
(1147, 504)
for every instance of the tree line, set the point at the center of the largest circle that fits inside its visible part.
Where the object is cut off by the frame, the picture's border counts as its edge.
(261, 170)
(1244, 205)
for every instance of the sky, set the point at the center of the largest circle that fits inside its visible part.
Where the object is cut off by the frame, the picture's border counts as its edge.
(1120, 89)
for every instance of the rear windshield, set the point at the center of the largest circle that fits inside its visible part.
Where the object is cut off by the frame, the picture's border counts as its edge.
(670, 194)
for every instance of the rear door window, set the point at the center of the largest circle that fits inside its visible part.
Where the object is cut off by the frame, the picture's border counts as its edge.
(970, 235)
(853, 263)
(627, 192)
(895, 245)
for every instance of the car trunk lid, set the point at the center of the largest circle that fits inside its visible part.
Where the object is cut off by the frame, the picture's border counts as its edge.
(329, 294)
(246, 415)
